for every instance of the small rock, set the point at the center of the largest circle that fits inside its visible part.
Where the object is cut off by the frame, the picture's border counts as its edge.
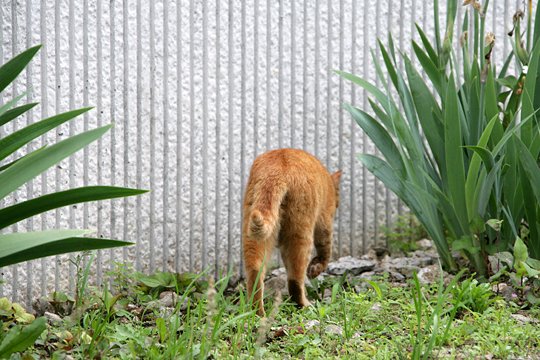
(277, 284)
(168, 298)
(41, 306)
(371, 255)
(495, 264)
(408, 265)
(334, 329)
(166, 312)
(395, 276)
(424, 244)
(506, 291)
(430, 274)
(327, 293)
(367, 275)
(423, 258)
(279, 272)
(350, 264)
(381, 252)
(52, 318)
(524, 319)
(356, 335)
(376, 307)
(311, 324)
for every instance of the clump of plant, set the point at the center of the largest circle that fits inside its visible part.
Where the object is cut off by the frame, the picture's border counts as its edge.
(15, 171)
(470, 295)
(403, 235)
(461, 145)
(19, 328)
(433, 322)
(522, 270)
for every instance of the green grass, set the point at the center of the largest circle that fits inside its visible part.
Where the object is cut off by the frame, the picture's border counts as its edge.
(375, 321)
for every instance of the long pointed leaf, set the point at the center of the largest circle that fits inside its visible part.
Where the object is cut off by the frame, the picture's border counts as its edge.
(16, 242)
(7, 106)
(531, 96)
(531, 168)
(382, 170)
(426, 108)
(10, 70)
(43, 245)
(13, 113)
(474, 168)
(31, 166)
(15, 213)
(4, 167)
(15, 141)
(454, 152)
(379, 136)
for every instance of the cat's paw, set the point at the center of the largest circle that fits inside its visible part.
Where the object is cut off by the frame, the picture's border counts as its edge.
(315, 268)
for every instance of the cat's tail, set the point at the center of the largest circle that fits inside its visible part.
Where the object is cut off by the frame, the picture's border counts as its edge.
(264, 216)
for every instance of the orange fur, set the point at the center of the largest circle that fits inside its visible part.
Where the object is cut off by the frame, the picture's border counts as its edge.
(290, 202)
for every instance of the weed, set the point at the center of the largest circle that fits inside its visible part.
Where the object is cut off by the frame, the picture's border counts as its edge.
(402, 236)
(470, 295)
(376, 321)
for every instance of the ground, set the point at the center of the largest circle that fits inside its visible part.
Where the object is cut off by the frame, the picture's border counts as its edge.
(166, 316)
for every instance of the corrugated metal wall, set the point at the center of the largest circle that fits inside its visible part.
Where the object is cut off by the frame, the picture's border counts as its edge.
(196, 89)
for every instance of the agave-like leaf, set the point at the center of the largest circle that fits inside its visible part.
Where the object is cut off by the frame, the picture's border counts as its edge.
(13, 113)
(18, 139)
(23, 210)
(33, 165)
(19, 247)
(10, 70)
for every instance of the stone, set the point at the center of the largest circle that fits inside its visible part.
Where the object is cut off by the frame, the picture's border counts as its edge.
(424, 244)
(327, 294)
(506, 291)
(168, 298)
(41, 306)
(52, 318)
(376, 307)
(408, 265)
(395, 276)
(423, 258)
(166, 312)
(310, 324)
(429, 274)
(279, 272)
(402, 265)
(524, 319)
(277, 284)
(333, 329)
(367, 275)
(350, 264)
(495, 264)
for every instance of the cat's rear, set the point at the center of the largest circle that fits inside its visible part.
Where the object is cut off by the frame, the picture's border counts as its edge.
(290, 202)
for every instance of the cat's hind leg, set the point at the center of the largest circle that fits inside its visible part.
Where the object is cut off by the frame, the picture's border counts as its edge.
(323, 244)
(296, 251)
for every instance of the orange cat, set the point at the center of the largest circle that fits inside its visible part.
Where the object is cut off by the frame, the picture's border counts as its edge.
(290, 203)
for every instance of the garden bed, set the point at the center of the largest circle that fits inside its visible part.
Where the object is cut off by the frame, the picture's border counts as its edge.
(371, 307)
